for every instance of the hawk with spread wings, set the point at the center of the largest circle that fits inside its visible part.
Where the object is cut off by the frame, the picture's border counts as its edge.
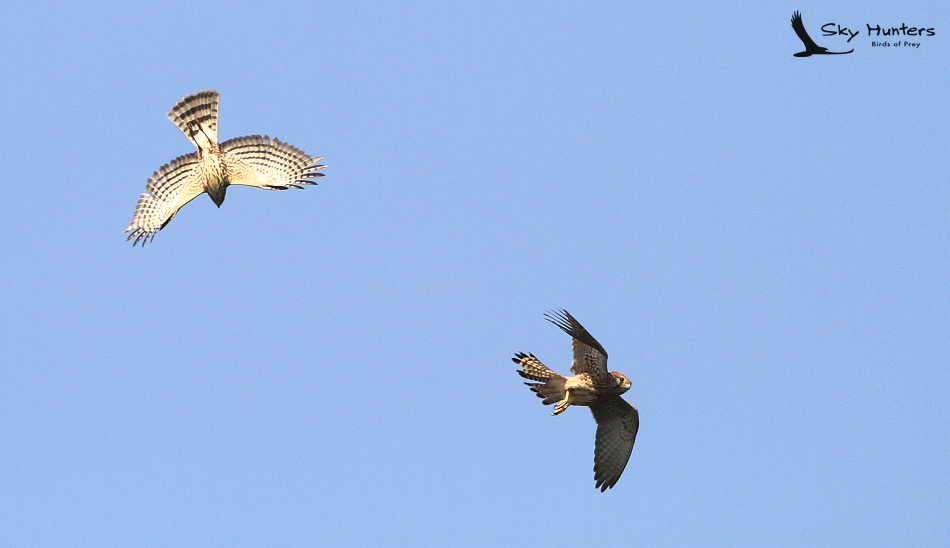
(253, 160)
(591, 386)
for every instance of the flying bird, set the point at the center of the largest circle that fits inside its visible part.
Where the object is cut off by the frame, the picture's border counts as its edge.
(591, 386)
(811, 48)
(253, 160)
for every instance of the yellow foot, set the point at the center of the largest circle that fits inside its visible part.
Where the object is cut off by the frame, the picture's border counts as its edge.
(561, 406)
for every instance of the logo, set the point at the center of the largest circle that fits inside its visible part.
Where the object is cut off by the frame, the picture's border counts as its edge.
(811, 48)
(916, 36)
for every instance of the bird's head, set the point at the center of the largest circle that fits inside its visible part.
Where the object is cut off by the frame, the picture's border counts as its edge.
(217, 194)
(623, 383)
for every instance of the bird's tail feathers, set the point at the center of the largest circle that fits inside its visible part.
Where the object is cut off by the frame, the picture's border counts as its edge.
(549, 385)
(197, 117)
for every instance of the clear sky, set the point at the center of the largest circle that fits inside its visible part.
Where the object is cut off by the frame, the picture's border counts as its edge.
(760, 241)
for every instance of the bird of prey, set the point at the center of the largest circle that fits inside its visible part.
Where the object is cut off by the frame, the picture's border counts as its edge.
(811, 48)
(253, 160)
(591, 386)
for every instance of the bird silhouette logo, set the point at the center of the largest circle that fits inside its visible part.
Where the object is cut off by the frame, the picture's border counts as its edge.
(811, 48)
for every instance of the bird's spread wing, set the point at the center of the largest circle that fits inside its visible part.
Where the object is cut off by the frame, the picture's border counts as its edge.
(172, 186)
(802, 33)
(589, 355)
(268, 163)
(197, 117)
(617, 426)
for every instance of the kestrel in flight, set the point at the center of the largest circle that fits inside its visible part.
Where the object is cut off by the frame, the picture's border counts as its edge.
(591, 386)
(252, 160)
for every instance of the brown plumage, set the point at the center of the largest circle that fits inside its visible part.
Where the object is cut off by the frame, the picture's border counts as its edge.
(591, 386)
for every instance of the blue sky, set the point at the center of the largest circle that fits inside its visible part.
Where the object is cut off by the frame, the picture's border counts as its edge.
(761, 243)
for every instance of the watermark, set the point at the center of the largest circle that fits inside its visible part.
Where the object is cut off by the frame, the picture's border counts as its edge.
(881, 36)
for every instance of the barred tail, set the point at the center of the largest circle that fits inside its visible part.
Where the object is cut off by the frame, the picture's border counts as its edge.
(197, 117)
(550, 385)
